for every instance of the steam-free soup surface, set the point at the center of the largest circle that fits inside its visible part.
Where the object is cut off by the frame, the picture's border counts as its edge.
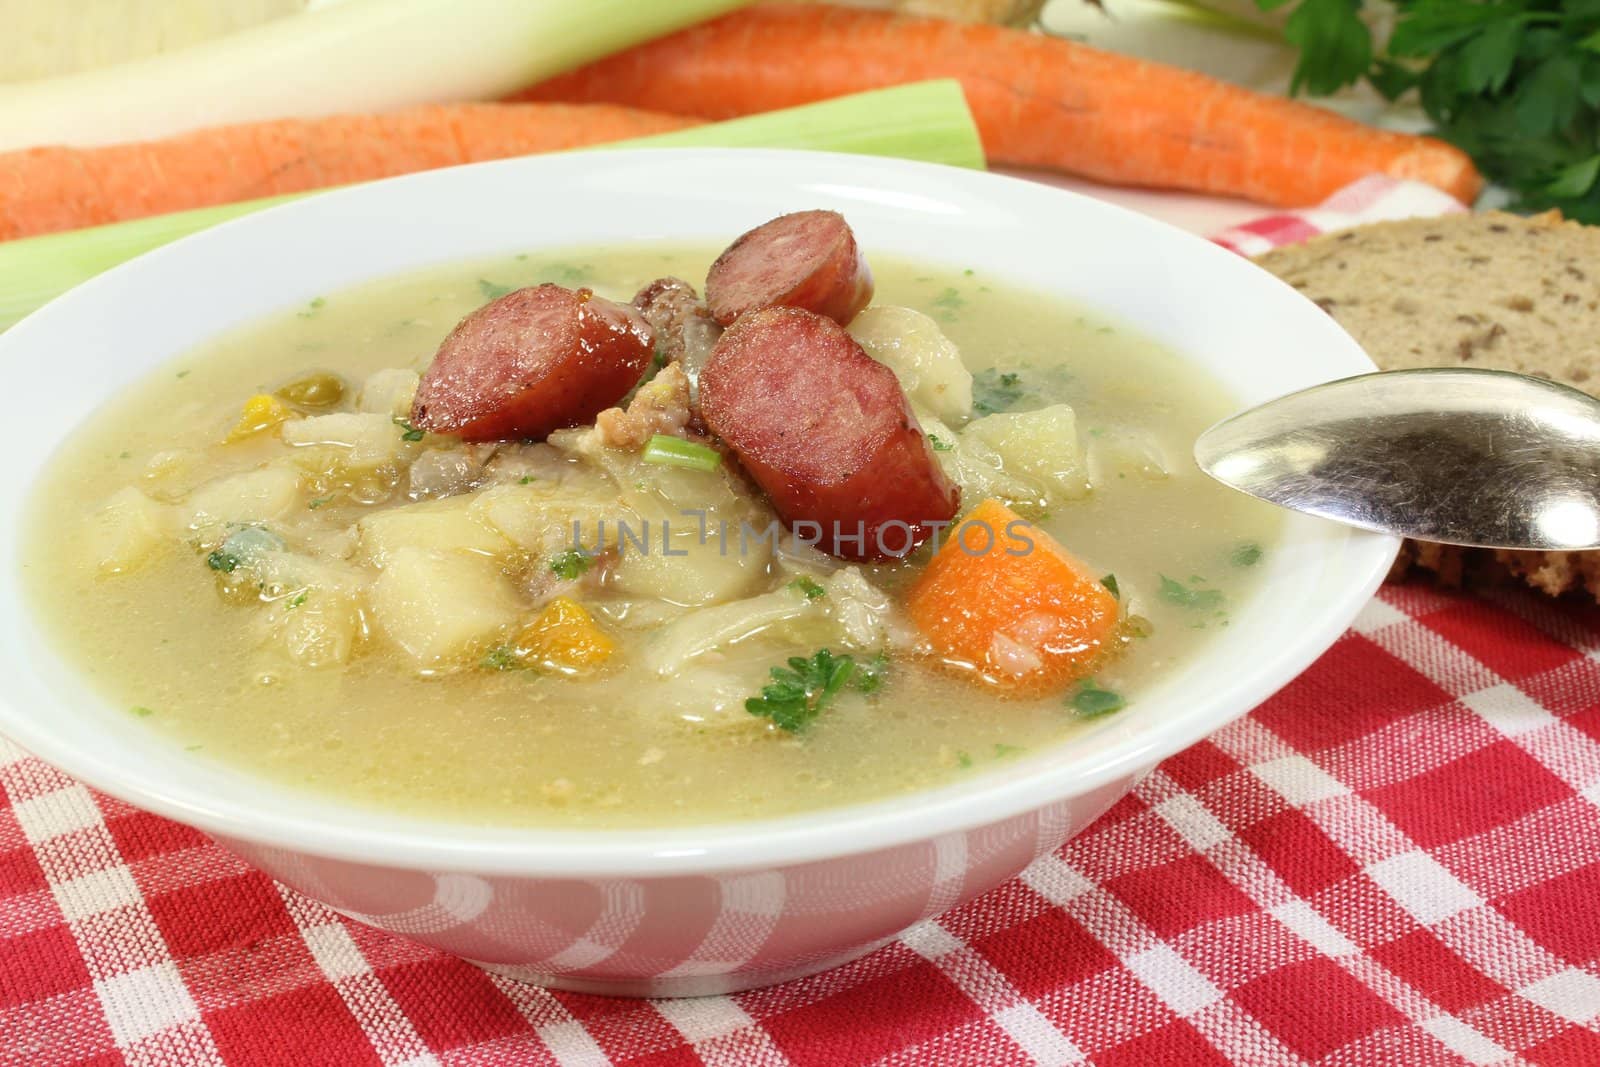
(212, 663)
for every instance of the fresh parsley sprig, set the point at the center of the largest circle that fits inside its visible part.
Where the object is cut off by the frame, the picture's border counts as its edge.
(798, 693)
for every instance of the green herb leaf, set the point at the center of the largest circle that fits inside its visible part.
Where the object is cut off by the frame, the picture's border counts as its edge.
(1184, 596)
(296, 602)
(939, 444)
(669, 451)
(526, 479)
(871, 675)
(1002, 750)
(571, 565)
(995, 390)
(226, 562)
(492, 291)
(799, 692)
(1247, 554)
(321, 501)
(501, 658)
(408, 431)
(809, 586)
(1110, 582)
(142, 711)
(1090, 701)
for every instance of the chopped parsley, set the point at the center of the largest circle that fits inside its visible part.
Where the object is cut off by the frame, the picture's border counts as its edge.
(809, 586)
(1002, 750)
(142, 711)
(409, 432)
(939, 444)
(1246, 555)
(297, 601)
(799, 692)
(501, 658)
(949, 302)
(1110, 582)
(996, 390)
(870, 675)
(963, 759)
(312, 308)
(226, 562)
(183, 374)
(1186, 596)
(570, 565)
(492, 291)
(526, 479)
(320, 502)
(125, 455)
(1090, 701)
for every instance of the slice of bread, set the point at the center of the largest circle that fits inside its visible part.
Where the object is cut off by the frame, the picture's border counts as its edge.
(1486, 290)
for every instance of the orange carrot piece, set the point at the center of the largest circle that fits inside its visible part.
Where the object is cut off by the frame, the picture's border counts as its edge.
(43, 190)
(1011, 603)
(1039, 101)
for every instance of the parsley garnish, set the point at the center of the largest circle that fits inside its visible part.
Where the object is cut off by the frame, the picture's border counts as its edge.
(501, 658)
(226, 562)
(809, 586)
(1090, 701)
(1110, 582)
(1002, 750)
(408, 431)
(1188, 597)
(492, 291)
(939, 444)
(296, 602)
(1246, 555)
(799, 692)
(963, 759)
(526, 479)
(995, 390)
(949, 302)
(570, 565)
(142, 711)
(871, 675)
(319, 502)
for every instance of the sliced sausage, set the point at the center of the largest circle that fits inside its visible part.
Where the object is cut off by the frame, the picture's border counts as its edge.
(684, 328)
(805, 260)
(533, 361)
(827, 432)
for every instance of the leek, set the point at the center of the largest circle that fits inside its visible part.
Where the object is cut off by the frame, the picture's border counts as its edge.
(353, 56)
(671, 451)
(927, 121)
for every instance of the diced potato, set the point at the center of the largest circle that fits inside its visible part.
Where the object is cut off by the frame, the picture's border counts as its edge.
(450, 525)
(442, 608)
(369, 440)
(704, 574)
(128, 530)
(695, 633)
(320, 628)
(283, 573)
(1041, 446)
(389, 392)
(927, 363)
(564, 638)
(539, 517)
(261, 412)
(1127, 452)
(975, 467)
(255, 496)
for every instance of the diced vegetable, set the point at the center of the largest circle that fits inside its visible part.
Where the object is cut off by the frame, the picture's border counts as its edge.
(799, 692)
(320, 629)
(319, 390)
(258, 496)
(1089, 701)
(676, 452)
(128, 531)
(926, 362)
(1125, 454)
(389, 392)
(442, 608)
(927, 121)
(977, 468)
(695, 633)
(863, 613)
(1041, 446)
(243, 547)
(449, 525)
(571, 564)
(368, 439)
(1005, 600)
(563, 638)
(539, 517)
(261, 412)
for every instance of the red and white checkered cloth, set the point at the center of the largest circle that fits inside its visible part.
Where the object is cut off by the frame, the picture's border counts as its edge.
(1394, 861)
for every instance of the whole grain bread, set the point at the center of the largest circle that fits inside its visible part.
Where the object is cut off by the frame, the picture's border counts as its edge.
(1481, 290)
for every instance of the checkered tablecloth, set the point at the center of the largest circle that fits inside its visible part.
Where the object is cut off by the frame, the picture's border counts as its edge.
(1394, 861)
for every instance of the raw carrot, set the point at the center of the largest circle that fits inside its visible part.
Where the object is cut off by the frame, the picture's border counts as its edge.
(44, 190)
(1039, 101)
(1010, 603)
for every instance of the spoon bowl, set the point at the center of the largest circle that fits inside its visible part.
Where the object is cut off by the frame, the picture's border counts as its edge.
(1459, 456)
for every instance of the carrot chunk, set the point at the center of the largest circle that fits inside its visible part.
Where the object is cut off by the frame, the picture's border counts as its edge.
(1004, 599)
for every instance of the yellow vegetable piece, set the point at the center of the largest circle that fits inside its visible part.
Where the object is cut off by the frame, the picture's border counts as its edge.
(564, 637)
(261, 412)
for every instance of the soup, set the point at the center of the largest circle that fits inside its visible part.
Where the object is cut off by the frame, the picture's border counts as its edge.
(260, 554)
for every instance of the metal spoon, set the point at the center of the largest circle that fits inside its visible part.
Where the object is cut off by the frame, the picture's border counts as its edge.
(1463, 457)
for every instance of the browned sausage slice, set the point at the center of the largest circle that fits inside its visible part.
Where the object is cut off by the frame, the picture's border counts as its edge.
(805, 260)
(827, 432)
(533, 361)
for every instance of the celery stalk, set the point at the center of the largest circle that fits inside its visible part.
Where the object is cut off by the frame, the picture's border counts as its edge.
(927, 121)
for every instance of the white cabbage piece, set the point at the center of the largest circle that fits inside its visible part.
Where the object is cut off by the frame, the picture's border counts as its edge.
(581, 510)
(1134, 453)
(258, 496)
(864, 614)
(128, 530)
(977, 468)
(450, 525)
(927, 362)
(389, 392)
(1040, 446)
(315, 606)
(442, 608)
(697, 632)
(367, 439)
